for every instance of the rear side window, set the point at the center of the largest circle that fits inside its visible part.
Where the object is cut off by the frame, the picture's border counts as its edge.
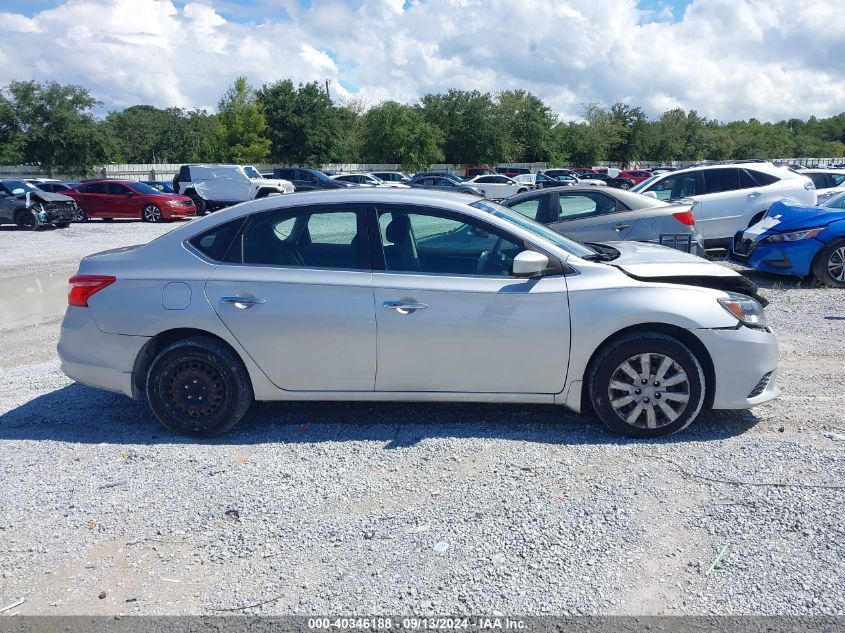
(719, 180)
(287, 174)
(819, 180)
(215, 242)
(94, 187)
(330, 238)
(761, 178)
(837, 179)
(529, 208)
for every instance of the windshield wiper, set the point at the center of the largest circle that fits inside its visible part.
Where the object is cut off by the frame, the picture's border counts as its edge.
(598, 257)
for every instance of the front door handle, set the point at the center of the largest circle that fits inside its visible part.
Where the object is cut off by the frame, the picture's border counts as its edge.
(405, 306)
(243, 302)
(754, 194)
(619, 226)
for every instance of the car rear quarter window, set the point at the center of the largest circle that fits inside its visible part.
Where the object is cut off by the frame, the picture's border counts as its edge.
(761, 178)
(215, 242)
(819, 180)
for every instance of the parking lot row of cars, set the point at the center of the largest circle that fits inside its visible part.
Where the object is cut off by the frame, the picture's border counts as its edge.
(691, 209)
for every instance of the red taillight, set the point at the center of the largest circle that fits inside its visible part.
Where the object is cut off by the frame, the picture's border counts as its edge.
(685, 217)
(83, 286)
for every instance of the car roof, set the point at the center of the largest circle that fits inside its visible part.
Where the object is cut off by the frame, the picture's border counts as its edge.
(765, 167)
(633, 200)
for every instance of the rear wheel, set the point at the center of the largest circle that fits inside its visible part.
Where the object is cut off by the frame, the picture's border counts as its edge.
(647, 385)
(625, 185)
(198, 387)
(151, 213)
(829, 265)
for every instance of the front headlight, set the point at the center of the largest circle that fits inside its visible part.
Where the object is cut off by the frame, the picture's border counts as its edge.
(747, 310)
(794, 236)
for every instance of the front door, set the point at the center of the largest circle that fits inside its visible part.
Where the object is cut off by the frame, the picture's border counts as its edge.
(298, 297)
(452, 318)
(123, 202)
(593, 217)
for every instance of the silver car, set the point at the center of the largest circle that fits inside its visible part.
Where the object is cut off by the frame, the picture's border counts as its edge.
(588, 214)
(412, 295)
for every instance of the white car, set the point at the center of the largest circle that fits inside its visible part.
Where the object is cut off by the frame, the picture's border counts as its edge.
(526, 179)
(369, 180)
(828, 182)
(729, 197)
(497, 186)
(213, 187)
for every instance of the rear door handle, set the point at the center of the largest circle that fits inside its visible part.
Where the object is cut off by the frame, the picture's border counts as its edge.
(619, 226)
(755, 194)
(405, 306)
(243, 302)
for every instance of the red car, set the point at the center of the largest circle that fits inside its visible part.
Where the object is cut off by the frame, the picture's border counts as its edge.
(110, 199)
(472, 172)
(637, 175)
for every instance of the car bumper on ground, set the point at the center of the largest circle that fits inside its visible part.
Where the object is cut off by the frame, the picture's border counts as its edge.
(745, 366)
(94, 358)
(782, 258)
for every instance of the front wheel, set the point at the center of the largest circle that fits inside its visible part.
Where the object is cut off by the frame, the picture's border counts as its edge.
(200, 204)
(81, 215)
(198, 386)
(829, 265)
(151, 213)
(27, 219)
(647, 385)
(625, 185)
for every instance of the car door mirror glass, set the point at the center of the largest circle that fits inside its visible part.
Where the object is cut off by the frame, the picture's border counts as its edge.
(529, 264)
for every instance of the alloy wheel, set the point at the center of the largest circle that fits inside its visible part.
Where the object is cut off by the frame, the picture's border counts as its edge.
(152, 213)
(836, 264)
(649, 391)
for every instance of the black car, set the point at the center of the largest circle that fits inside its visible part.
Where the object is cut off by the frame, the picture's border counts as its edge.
(619, 183)
(308, 179)
(444, 183)
(31, 208)
(545, 179)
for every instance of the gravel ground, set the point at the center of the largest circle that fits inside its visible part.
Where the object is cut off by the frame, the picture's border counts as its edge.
(409, 509)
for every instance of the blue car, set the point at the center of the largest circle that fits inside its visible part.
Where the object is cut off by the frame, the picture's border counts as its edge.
(797, 240)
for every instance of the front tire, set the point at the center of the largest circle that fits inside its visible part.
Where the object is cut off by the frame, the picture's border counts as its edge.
(200, 204)
(625, 186)
(199, 387)
(151, 213)
(27, 219)
(829, 265)
(647, 385)
(81, 215)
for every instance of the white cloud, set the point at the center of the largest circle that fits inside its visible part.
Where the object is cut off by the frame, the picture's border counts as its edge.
(728, 59)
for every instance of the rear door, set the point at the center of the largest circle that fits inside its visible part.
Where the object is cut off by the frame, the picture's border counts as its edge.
(730, 199)
(307, 316)
(94, 199)
(592, 217)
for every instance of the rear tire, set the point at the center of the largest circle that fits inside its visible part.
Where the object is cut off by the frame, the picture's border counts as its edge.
(625, 186)
(829, 264)
(198, 387)
(669, 400)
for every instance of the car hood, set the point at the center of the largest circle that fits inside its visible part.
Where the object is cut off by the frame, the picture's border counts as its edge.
(784, 217)
(48, 196)
(275, 182)
(661, 264)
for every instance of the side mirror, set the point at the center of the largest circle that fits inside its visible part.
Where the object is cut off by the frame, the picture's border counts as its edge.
(650, 194)
(529, 264)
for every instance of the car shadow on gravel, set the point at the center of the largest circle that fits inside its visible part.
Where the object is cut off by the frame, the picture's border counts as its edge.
(79, 414)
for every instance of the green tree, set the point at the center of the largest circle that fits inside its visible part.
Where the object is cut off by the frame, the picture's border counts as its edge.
(349, 143)
(472, 132)
(528, 123)
(243, 127)
(53, 126)
(303, 124)
(396, 133)
(628, 126)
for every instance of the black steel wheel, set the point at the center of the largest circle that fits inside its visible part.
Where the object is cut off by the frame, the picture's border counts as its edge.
(27, 219)
(198, 387)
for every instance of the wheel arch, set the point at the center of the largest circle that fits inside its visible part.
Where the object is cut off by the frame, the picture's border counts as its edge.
(681, 334)
(160, 341)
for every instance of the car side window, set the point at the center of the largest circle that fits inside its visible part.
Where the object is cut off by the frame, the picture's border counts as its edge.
(486, 179)
(325, 238)
(95, 187)
(118, 190)
(215, 242)
(719, 180)
(675, 186)
(582, 205)
(439, 242)
(837, 179)
(819, 180)
(530, 208)
(762, 179)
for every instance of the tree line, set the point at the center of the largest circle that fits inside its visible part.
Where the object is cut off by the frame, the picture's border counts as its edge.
(54, 126)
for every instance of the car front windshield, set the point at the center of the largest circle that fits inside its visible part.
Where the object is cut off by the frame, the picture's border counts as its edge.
(145, 189)
(570, 246)
(252, 172)
(836, 202)
(17, 187)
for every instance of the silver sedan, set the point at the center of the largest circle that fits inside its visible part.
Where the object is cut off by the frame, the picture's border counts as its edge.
(589, 214)
(411, 295)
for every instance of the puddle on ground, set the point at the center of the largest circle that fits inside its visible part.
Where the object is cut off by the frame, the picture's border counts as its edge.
(31, 299)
